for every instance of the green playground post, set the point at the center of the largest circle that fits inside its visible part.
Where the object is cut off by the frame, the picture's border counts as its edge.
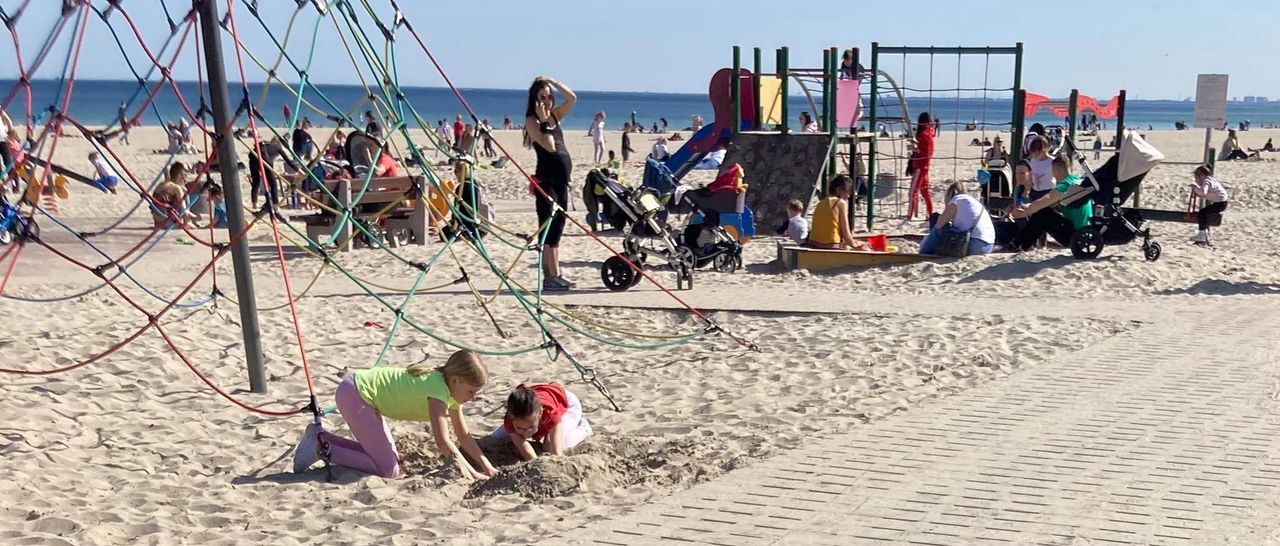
(784, 75)
(826, 86)
(736, 89)
(1137, 193)
(875, 133)
(755, 86)
(1019, 103)
(1073, 106)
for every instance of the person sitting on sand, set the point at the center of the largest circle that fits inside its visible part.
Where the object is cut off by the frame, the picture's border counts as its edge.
(1042, 179)
(962, 214)
(795, 227)
(1215, 197)
(830, 227)
(218, 206)
(1231, 148)
(1268, 147)
(420, 393)
(547, 414)
(660, 150)
(170, 196)
(107, 179)
(1043, 215)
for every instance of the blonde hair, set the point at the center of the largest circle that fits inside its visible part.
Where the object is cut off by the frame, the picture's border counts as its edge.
(463, 364)
(956, 188)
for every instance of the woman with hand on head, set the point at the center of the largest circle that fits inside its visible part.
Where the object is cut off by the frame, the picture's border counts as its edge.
(543, 133)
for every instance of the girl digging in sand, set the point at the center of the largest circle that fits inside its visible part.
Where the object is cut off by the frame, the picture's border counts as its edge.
(416, 393)
(546, 413)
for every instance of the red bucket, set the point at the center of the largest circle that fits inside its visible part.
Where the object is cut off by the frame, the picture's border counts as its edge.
(878, 243)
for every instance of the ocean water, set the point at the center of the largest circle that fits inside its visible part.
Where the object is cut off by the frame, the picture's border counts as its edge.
(94, 102)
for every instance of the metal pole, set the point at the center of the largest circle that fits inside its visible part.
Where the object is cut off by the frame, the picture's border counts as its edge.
(783, 70)
(1072, 112)
(875, 134)
(736, 90)
(210, 30)
(755, 88)
(1137, 194)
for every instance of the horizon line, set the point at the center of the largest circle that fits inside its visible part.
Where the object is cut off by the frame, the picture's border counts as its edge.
(1238, 99)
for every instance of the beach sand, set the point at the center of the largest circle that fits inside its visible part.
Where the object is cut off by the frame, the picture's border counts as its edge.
(135, 449)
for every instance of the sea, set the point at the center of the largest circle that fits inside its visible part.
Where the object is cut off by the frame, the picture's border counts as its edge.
(95, 103)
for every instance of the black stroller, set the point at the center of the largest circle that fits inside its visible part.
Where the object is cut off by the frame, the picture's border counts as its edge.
(1112, 184)
(641, 213)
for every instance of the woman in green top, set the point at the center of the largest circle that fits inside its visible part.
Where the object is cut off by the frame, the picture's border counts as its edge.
(1045, 216)
(417, 393)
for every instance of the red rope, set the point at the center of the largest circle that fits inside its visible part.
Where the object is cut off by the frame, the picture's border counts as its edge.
(56, 122)
(275, 229)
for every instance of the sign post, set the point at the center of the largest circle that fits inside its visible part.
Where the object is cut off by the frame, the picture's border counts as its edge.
(1211, 106)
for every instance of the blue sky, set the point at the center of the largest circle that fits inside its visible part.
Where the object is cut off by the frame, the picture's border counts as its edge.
(1153, 49)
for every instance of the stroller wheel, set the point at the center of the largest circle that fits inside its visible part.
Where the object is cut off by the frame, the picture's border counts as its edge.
(401, 237)
(684, 255)
(617, 275)
(1086, 244)
(373, 236)
(1151, 251)
(725, 262)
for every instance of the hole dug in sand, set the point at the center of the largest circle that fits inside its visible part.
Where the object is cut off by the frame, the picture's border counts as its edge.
(601, 464)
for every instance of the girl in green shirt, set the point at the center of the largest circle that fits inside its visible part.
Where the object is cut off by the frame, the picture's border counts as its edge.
(417, 393)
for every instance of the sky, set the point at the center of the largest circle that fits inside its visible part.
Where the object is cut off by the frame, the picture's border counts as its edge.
(1154, 49)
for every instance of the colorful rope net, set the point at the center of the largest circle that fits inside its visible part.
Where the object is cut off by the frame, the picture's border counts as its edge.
(375, 63)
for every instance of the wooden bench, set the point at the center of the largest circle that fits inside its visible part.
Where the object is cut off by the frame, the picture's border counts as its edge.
(409, 212)
(817, 259)
(1152, 215)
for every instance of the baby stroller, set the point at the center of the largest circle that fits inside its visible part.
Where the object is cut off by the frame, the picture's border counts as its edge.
(642, 213)
(1113, 183)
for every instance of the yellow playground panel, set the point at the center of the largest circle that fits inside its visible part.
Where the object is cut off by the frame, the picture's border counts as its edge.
(770, 101)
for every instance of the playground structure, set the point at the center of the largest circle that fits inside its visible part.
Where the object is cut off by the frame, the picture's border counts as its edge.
(45, 125)
(896, 194)
(753, 124)
(782, 164)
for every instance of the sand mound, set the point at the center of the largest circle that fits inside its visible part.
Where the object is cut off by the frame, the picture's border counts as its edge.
(600, 465)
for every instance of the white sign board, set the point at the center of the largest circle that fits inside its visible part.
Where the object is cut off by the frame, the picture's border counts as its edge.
(1211, 101)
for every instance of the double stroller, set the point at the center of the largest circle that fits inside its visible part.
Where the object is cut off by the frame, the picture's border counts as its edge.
(1112, 184)
(642, 216)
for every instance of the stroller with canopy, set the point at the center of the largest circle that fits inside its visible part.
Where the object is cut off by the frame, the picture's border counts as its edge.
(1111, 186)
(642, 214)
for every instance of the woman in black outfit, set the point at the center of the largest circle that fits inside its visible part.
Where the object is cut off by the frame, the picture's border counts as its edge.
(542, 131)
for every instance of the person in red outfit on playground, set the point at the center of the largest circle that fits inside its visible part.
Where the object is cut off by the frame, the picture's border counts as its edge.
(919, 165)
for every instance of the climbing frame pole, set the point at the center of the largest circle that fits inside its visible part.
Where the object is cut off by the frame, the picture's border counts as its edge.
(875, 134)
(784, 77)
(1073, 112)
(831, 76)
(736, 89)
(211, 34)
(755, 86)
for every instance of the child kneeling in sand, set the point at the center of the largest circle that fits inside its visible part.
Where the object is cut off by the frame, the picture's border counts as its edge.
(417, 393)
(546, 413)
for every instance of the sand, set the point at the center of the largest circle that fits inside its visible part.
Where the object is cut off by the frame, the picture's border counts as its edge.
(135, 449)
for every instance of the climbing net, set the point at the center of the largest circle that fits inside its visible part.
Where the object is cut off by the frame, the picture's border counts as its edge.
(967, 106)
(372, 42)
